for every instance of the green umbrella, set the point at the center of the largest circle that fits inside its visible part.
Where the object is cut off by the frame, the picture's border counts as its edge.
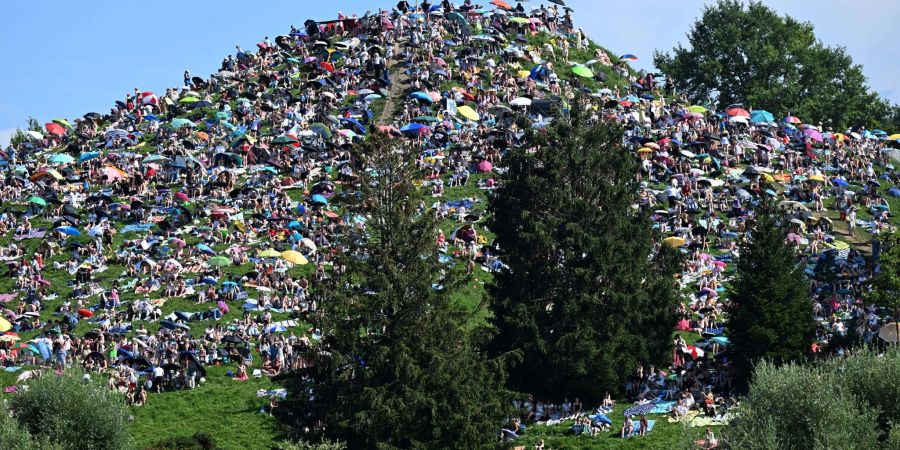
(189, 100)
(38, 201)
(320, 129)
(64, 123)
(582, 71)
(697, 109)
(179, 122)
(520, 20)
(270, 253)
(425, 119)
(219, 261)
(284, 140)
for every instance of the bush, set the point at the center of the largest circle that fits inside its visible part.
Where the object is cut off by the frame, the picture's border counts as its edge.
(303, 445)
(73, 413)
(802, 407)
(198, 441)
(15, 437)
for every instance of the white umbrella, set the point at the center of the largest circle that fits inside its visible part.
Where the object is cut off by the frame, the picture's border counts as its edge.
(308, 243)
(34, 135)
(888, 333)
(520, 101)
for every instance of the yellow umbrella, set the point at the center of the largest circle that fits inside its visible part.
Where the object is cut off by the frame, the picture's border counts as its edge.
(468, 113)
(5, 325)
(894, 137)
(645, 150)
(818, 178)
(523, 73)
(841, 137)
(674, 241)
(294, 257)
(768, 178)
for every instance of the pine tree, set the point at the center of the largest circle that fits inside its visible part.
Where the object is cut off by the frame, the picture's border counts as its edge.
(583, 302)
(771, 315)
(399, 367)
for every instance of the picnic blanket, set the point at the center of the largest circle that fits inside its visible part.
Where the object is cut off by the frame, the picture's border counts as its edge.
(6, 298)
(705, 421)
(638, 410)
(662, 407)
(687, 418)
(30, 235)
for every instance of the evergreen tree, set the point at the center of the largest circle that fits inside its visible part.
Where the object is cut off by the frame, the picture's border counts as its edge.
(583, 303)
(886, 282)
(398, 366)
(771, 315)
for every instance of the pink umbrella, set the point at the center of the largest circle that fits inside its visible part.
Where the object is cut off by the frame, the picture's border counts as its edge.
(223, 307)
(182, 196)
(813, 134)
(793, 237)
(485, 167)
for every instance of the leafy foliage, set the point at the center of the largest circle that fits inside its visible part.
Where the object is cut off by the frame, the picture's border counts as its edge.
(398, 366)
(886, 282)
(582, 303)
(750, 54)
(771, 313)
(73, 413)
(801, 407)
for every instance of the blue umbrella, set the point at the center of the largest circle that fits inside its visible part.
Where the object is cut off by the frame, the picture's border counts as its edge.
(71, 231)
(356, 124)
(895, 192)
(320, 199)
(760, 115)
(419, 95)
(413, 128)
(840, 182)
(206, 249)
(61, 158)
(87, 156)
(151, 117)
(721, 340)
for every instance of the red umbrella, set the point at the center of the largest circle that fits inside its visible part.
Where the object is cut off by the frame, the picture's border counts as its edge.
(737, 112)
(182, 196)
(502, 4)
(55, 128)
(327, 66)
(626, 103)
(85, 313)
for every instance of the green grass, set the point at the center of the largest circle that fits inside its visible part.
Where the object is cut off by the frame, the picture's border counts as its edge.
(665, 435)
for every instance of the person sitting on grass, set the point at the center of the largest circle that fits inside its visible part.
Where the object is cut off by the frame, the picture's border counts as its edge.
(628, 428)
(644, 425)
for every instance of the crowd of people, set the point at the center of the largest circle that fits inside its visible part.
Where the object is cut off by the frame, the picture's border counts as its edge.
(222, 197)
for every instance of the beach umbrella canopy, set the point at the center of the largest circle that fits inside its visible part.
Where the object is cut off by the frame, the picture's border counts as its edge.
(520, 101)
(813, 134)
(761, 115)
(34, 135)
(697, 109)
(468, 113)
(888, 333)
(218, 261)
(71, 231)
(792, 119)
(628, 57)
(61, 158)
(269, 253)
(674, 241)
(294, 257)
(423, 96)
(582, 71)
(179, 122)
(5, 325)
(414, 128)
(319, 198)
(189, 100)
(87, 156)
(38, 201)
(737, 112)
(55, 128)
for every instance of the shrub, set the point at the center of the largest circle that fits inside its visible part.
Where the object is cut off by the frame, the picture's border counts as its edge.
(73, 413)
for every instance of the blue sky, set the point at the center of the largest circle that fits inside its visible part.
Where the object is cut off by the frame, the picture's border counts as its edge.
(64, 58)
